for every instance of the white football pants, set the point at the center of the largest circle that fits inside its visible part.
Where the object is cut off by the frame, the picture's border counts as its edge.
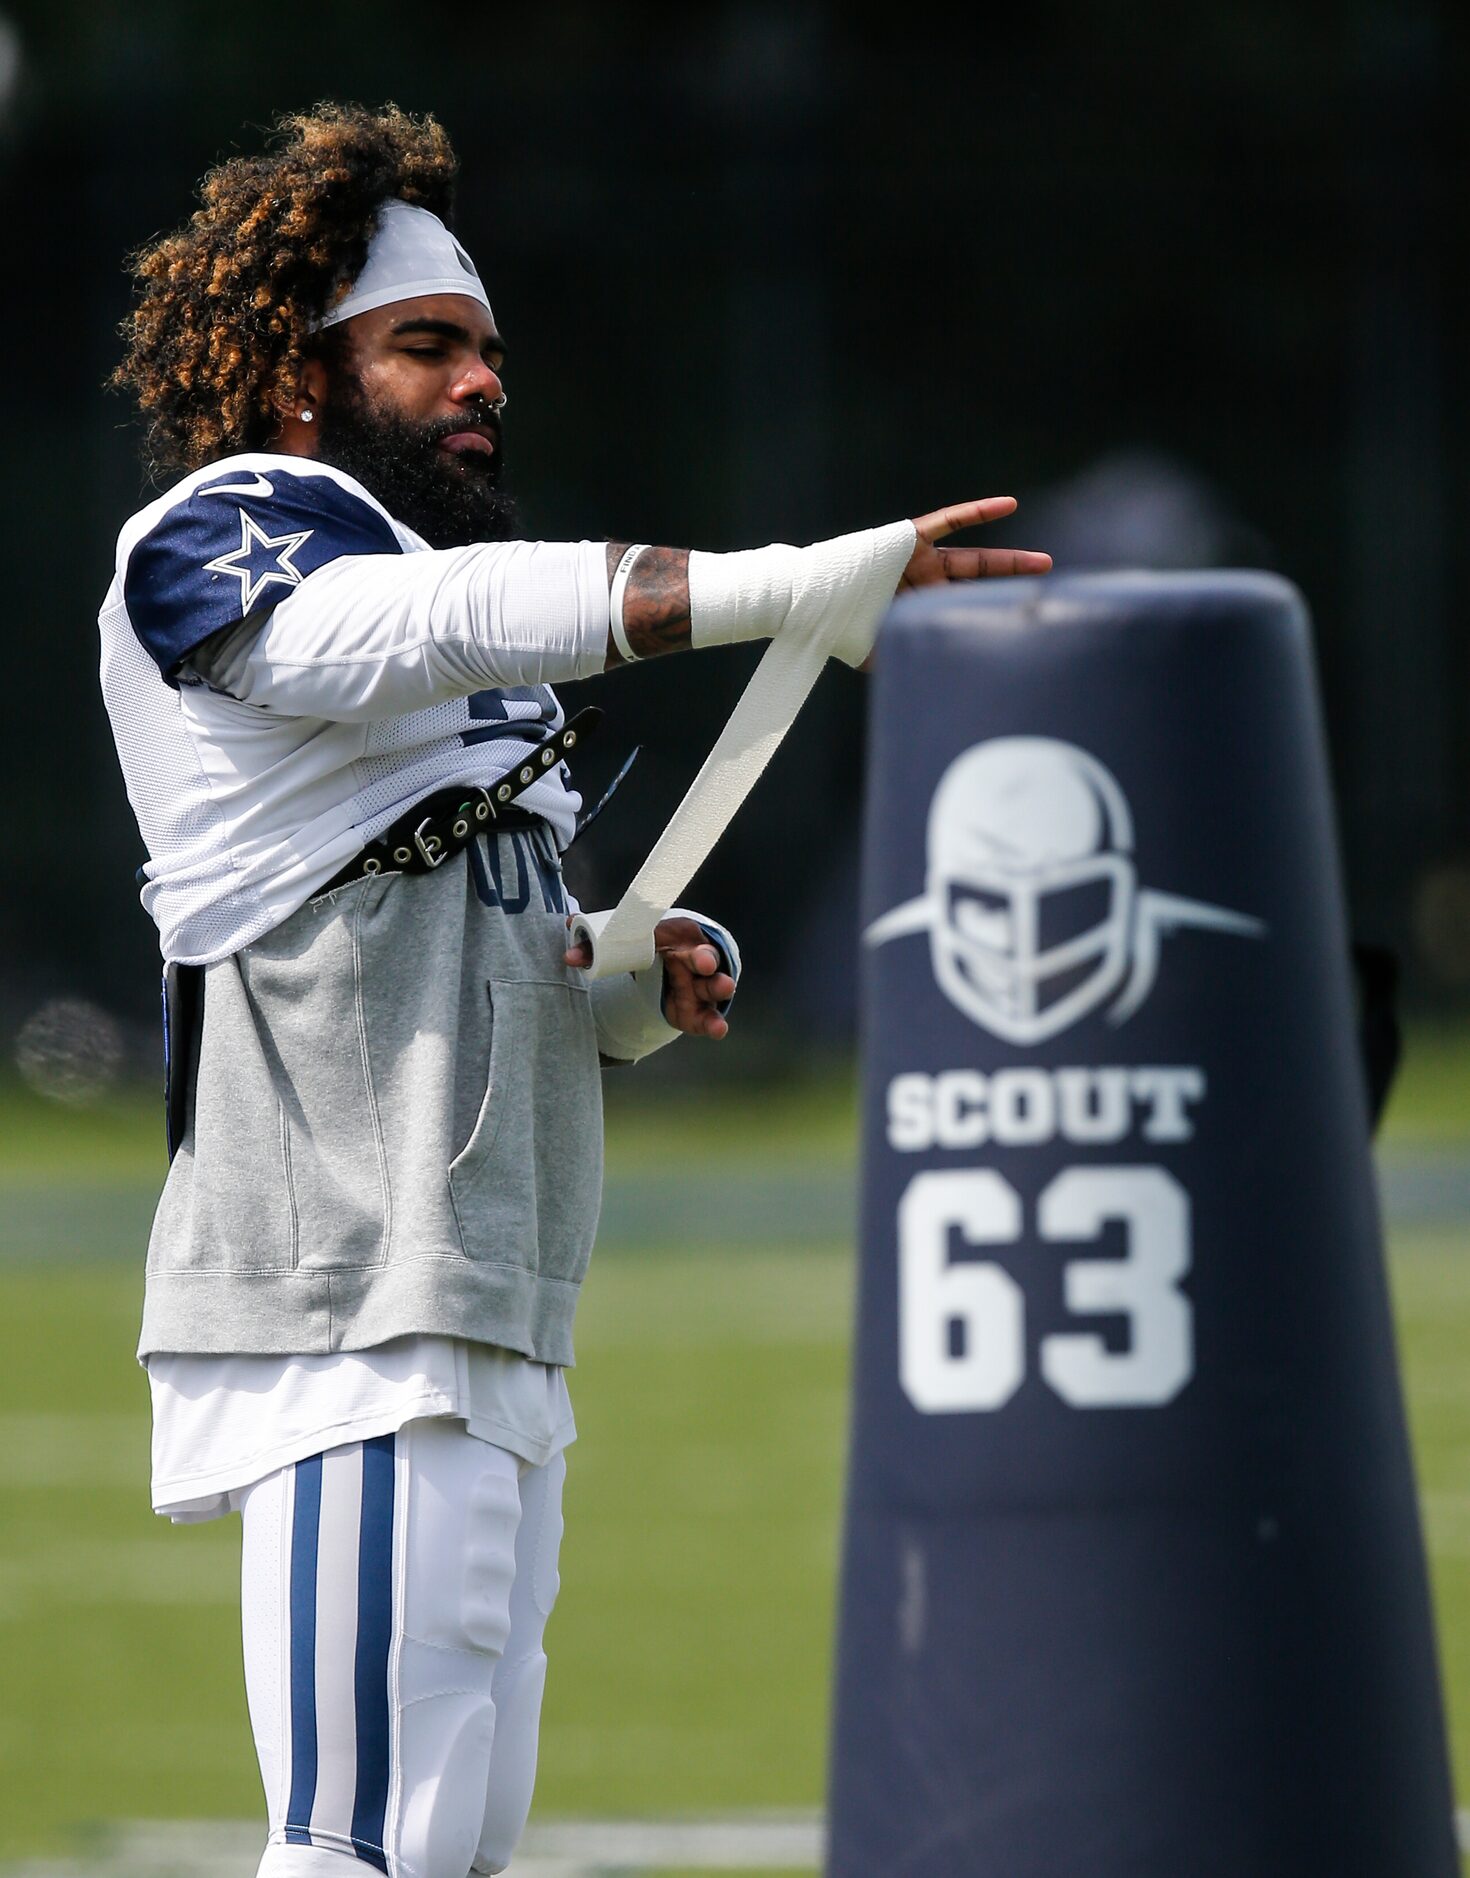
(395, 1592)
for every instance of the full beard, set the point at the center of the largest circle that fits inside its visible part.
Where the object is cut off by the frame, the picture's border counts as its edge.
(449, 499)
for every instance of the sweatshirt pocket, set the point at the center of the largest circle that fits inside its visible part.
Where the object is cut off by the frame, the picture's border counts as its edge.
(527, 1184)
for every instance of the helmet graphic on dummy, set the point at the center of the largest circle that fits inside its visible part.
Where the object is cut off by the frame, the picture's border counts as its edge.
(1031, 885)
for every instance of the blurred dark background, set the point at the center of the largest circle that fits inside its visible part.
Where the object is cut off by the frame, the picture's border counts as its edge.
(1189, 281)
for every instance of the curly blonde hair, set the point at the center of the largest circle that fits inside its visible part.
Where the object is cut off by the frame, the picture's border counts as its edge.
(227, 305)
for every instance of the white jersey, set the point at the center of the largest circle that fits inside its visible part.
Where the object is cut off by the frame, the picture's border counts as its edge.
(221, 1423)
(366, 670)
(287, 669)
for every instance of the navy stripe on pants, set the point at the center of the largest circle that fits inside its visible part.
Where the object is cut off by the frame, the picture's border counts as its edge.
(305, 1528)
(374, 1635)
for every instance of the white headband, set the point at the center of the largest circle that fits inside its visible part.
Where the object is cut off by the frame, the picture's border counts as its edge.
(411, 253)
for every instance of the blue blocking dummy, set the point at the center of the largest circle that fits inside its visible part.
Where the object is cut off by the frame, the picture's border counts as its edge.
(1133, 1584)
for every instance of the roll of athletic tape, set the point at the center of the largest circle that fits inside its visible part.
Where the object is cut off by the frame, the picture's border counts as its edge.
(628, 949)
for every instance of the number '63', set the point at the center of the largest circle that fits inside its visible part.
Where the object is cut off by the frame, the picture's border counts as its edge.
(983, 1365)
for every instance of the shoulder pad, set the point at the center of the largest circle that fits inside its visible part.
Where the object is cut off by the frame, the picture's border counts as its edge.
(235, 545)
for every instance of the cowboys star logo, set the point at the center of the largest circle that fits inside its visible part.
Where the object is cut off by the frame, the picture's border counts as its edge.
(261, 559)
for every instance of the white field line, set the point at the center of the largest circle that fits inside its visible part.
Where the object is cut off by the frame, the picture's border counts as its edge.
(583, 1848)
(771, 1843)
(573, 1849)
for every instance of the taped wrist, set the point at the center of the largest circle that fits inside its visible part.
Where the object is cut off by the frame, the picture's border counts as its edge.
(628, 1014)
(833, 593)
(746, 595)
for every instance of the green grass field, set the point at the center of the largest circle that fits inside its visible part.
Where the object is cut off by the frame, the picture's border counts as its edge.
(691, 1649)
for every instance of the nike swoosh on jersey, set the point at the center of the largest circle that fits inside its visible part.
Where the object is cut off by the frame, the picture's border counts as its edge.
(260, 487)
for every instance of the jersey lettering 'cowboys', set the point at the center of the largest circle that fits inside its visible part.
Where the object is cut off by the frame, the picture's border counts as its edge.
(1031, 902)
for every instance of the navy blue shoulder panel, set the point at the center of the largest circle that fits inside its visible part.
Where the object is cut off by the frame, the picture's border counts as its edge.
(235, 546)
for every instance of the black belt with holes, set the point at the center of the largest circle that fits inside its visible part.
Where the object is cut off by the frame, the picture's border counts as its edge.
(425, 836)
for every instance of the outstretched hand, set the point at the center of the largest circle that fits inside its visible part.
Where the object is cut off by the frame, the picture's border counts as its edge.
(929, 564)
(694, 983)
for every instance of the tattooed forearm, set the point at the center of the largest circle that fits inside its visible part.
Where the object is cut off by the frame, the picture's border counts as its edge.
(655, 601)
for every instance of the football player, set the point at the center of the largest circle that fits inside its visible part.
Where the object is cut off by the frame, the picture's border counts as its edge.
(328, 660)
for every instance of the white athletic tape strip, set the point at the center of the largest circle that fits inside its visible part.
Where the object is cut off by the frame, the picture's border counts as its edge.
(836, 593)
(615, 601)
(621, 940)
